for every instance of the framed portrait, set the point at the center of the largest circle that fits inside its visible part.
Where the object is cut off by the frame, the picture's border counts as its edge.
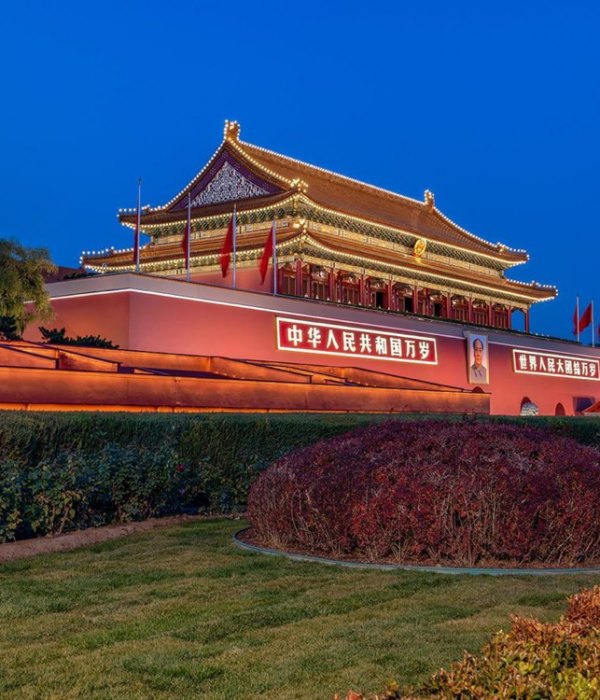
(478, 358)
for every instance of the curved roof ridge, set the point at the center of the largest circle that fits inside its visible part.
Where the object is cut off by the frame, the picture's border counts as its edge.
(381, 190)
(226, 141)
(331, 173)
(501, 246)
(195, 179)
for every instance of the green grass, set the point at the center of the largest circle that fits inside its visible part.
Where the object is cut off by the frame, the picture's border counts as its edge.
(181, 613)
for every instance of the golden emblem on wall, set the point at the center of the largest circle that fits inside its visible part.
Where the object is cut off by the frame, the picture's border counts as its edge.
(420, 247)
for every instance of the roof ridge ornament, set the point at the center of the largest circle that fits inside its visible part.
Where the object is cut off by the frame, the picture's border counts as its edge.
(231, 132)
(299, 185)
(429, 199)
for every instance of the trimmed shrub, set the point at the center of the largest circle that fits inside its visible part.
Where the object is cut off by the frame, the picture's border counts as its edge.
(435, 492)
(222, 455)
(533, 661)
(68, 471)
(10, 499)
(75, 491)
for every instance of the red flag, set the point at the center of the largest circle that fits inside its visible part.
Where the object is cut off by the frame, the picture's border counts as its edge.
(586, 319)
(227, 247)
(267, 254)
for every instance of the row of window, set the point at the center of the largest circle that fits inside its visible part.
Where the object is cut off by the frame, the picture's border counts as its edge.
(350, 294)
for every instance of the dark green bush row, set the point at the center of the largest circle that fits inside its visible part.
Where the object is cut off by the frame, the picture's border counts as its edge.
(66, 471)
(75, 490)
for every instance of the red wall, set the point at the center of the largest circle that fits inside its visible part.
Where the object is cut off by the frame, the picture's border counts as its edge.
(104, 314)
(150, 321)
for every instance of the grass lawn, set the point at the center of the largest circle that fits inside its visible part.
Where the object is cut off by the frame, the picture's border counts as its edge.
(182, 613)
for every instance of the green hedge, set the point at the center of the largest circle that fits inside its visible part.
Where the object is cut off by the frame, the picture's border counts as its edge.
(67, 471)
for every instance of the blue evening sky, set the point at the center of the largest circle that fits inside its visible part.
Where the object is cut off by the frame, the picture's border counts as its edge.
(492, 106)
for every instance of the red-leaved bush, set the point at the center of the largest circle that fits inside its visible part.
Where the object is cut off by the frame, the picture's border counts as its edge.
(534, 660)
(441, 492)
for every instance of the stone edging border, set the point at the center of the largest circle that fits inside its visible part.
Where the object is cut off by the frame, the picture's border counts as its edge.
(406, 567)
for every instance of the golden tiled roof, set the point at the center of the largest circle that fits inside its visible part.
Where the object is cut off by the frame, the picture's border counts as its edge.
(332, 192)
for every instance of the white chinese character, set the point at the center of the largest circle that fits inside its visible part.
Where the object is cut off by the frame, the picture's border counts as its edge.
(533, 362)
(294, 335)
(424, 349)
(314, 336)
(396, 347)
(349, 341)
(585, 369)
(332, 341)
(542, 365)
(568, 367)
(381, 345)
(365, 342)
(411, 350)
(593, 368)
(551, 365)
(522, 361)
(560, 367)
(577, 367)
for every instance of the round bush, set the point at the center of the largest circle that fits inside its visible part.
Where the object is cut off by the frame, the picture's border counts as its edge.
(464, 494)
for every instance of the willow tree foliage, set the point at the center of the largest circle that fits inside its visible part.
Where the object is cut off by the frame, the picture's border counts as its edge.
(23, 298)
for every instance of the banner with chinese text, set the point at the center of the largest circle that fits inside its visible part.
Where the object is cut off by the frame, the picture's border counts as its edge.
(351, 341)
(549, 365)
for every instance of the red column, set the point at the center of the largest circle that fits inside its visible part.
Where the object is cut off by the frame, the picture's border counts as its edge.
(470, 319)
(390, 299)
(527, 321)
(332, 284)
(509, 316)
(427, 302)
(298, 278)
(309, 285)
(490, 314)
(361, 290)
(448, 306)
(416, 300)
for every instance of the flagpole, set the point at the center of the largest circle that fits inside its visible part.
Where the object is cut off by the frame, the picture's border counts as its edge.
(577, 324)
(234, 243)
(274, 257)
(189, 236)
(137, 242)
(593, 326)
